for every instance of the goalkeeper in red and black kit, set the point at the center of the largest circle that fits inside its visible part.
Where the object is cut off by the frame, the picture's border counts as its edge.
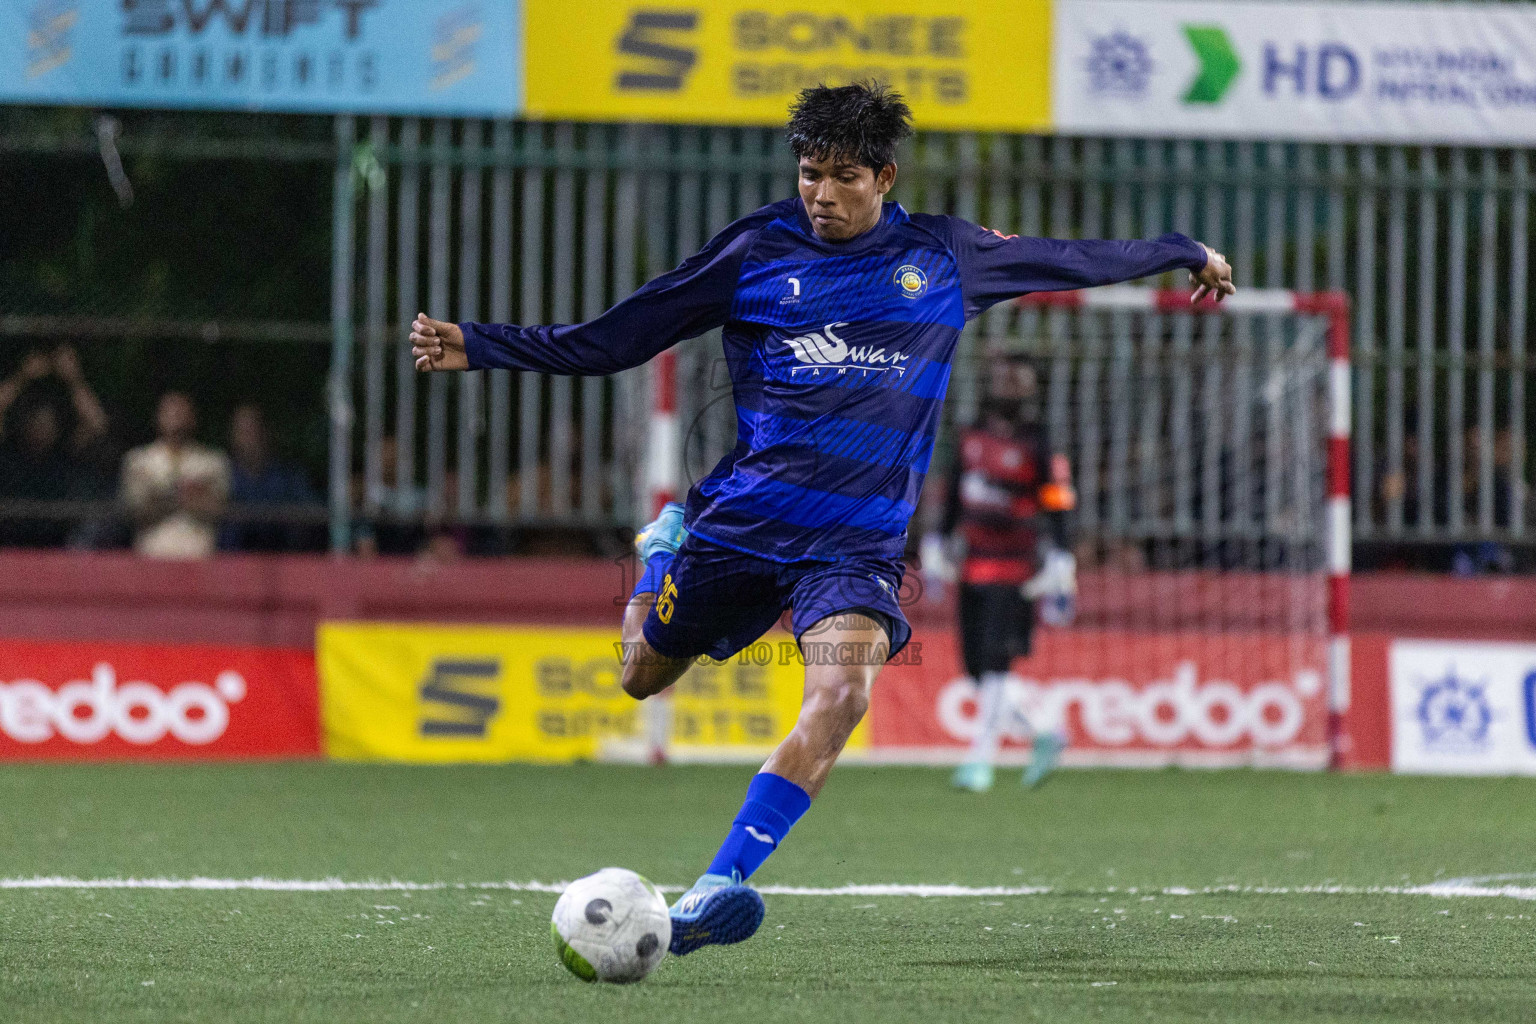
(1007, 529)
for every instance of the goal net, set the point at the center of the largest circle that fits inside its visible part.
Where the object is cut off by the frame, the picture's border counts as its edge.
(1204, 444)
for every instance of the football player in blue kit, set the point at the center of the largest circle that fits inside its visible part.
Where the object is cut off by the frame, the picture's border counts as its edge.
(841, 312)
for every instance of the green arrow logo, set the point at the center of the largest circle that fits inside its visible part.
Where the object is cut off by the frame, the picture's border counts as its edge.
(1219, 63)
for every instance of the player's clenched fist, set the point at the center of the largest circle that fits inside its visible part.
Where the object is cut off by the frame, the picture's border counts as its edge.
(436, 345)
(1214, 280)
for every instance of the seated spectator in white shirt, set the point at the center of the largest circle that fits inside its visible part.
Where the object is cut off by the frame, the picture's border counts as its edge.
(174, 488)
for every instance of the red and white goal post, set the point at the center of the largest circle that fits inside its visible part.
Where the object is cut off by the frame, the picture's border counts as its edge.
(1210, 464)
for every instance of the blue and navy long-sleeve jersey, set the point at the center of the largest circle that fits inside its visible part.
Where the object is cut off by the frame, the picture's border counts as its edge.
(839, 356)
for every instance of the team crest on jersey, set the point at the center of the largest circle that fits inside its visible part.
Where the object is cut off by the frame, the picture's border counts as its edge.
(911, 281)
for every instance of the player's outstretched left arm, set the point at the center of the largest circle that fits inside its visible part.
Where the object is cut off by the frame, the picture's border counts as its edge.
(996, 267)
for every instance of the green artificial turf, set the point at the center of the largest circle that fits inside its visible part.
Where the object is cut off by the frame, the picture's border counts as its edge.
(1090, 948)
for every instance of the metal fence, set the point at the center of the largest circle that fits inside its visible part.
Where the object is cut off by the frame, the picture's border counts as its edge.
(532, 222)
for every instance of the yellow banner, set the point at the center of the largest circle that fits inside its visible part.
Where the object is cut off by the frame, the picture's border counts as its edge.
(396, 692)
(981, 64)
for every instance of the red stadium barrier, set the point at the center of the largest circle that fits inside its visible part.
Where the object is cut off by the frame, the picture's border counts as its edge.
(278, 600)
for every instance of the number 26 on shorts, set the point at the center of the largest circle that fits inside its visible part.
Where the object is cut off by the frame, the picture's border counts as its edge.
(666, 601)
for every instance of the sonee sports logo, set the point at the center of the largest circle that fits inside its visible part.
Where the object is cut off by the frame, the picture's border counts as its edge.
(663, 65)
(459, 697)
(86, 712)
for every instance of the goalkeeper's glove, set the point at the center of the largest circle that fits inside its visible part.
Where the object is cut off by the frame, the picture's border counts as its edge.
(1054, 587)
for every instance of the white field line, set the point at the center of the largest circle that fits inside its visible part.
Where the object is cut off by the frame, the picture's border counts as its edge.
(1453, 889)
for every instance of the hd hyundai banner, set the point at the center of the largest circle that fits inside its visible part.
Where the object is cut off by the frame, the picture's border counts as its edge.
(1463, 708)
(1390, 72)
(94, 701)
(447, 57)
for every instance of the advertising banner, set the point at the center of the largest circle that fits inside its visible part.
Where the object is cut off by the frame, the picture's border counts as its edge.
(450, 57)
(1123, 698)
(98, 701)
(1391, 72)
(1463, 708)
(960, 63)
(396, 692)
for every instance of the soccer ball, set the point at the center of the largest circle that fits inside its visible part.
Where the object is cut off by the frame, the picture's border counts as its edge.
(611, 926)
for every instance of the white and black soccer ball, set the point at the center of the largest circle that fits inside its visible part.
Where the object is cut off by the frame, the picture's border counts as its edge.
(611, 926)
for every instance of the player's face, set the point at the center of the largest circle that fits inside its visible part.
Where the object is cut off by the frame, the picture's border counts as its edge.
(843, 199)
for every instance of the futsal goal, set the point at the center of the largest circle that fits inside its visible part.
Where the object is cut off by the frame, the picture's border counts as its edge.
(1210, 451)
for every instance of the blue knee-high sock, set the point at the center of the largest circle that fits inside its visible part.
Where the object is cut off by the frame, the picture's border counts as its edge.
(772, 807)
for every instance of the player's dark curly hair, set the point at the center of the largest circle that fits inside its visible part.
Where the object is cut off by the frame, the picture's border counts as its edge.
(860, 123)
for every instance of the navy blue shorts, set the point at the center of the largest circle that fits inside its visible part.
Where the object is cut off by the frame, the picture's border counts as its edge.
(725, 599)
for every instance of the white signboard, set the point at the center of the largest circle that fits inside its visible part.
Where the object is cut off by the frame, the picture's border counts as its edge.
(1401, 72)
(1463, 708)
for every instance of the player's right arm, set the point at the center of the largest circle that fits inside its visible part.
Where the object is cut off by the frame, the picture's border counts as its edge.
(683, 303)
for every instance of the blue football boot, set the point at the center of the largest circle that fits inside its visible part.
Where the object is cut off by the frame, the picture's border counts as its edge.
(717, 911)
(1043, 758)
(664, 533)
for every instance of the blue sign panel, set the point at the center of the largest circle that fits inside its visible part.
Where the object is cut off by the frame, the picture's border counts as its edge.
(450, 57)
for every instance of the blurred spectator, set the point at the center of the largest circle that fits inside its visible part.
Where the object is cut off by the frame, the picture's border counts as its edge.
(1506, 483)
(259, 480)
(394, 522)
(174, 488)
(443, 545)
(43, 456)
(1488, 556)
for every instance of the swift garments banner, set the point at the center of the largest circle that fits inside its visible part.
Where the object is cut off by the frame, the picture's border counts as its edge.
(1123, 698)
(93, 701)
(960, 63)
(406, 56)
(1390, 72)
(397, 692)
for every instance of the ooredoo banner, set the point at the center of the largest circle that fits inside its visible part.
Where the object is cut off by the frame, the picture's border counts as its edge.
(89, 701)
(1463, 708)
(1122, 698)
(1391, 72)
